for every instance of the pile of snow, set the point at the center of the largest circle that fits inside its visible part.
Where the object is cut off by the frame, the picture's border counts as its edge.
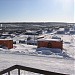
(23, 49)
(54, 50)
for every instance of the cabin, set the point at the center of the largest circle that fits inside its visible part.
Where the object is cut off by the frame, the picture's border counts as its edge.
(61, 31)
(72, 31)
(7, 43)
(50, 43)
(66, 29)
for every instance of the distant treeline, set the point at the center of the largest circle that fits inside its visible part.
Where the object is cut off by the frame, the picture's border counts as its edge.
(22, 26)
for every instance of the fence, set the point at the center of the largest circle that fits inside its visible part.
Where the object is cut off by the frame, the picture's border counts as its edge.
(29, 69)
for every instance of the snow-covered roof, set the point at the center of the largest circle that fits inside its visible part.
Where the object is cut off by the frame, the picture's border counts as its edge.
(5, 39)
(61, 29)
(49, 40)
(0, 29)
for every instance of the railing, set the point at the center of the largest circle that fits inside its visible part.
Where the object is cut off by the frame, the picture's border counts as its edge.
(29, 69)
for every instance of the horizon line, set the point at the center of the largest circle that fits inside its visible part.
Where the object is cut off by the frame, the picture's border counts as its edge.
(36, 22)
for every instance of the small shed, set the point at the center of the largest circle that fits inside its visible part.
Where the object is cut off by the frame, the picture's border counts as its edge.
(61, 31)
(7, 43)
(50, 43)
(72, 31)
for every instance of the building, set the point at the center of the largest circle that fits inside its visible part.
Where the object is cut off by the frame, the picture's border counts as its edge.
(7, 43)
(61, 31)
(50, 43)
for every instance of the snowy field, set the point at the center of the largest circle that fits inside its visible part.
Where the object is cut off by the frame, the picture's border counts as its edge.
(26, 55)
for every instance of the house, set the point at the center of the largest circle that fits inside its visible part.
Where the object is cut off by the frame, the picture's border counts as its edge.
(50, 43)
(72, 31)
(7, 43)
(61, 31)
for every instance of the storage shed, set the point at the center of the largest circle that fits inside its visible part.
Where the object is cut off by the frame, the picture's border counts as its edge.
(7, 43)
(50, 43)
(61, 31)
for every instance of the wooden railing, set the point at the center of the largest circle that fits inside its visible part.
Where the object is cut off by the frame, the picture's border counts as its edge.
(29, 69)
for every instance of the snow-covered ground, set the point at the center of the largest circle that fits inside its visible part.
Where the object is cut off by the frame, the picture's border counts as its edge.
(26, 55)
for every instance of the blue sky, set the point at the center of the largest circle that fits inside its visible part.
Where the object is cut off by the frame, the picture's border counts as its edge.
(36, 10)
